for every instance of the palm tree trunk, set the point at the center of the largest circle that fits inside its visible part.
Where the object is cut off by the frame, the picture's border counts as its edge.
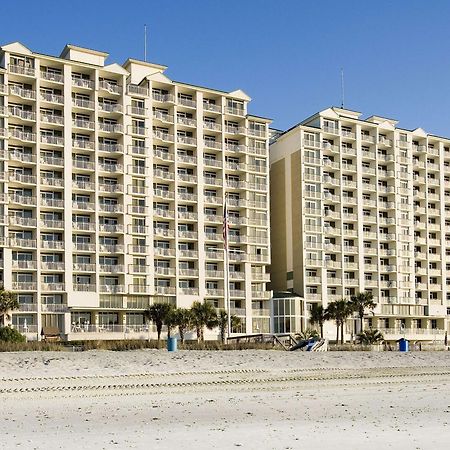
(321, 330)
(337, 332)
(181, 331)
(342, 332)
(362, 322)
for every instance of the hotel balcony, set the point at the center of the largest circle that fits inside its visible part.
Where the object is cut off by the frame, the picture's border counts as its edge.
(84, 287)
(84, 104)
(52, 118)
(53, 77)
(52, 140)
(212, 107)
(83, 83)
(111, 127)
(24, 286)
(55, 245)
(22, 135)
(81, 267)
(110, 107)
(112, 268)
(27, 94)
(51, 98)
(137, 90)
(112, 88)
(48, 265)
(22, 114)
(164, 98)
(112, 288)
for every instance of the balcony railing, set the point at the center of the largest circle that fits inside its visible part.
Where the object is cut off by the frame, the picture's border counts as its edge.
(52, 118)
(82, 267)
(22, 178)
(51, 76)
(163, 136)
(83, 123)
(110, 107)
(82, 103)
(83, 83)
(110, 87)
(22, 70)
(83, 143)
(111, 127)
(84, 246)
(112, 288)
(137, 90)
(48, 265)
(187, 121)
(84, 287)
(21, 92)
(52, 140)
(52, 98)
(166, 98)
(24, 286)
(107, 228)
(81, 164)
(187, 102)
(234, 111)
(162, 116)
(50, 160)
(112, 268)
(22, 135)
(22, 113)
(56, 245)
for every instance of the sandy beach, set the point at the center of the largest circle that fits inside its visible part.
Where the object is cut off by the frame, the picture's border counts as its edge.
(209, 399)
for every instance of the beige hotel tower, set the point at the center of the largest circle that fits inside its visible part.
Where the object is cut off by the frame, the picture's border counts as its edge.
(112, 185)
(362, 205)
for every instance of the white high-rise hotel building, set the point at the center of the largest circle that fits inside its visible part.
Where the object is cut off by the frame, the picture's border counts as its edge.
(112, 184)
(362, 205)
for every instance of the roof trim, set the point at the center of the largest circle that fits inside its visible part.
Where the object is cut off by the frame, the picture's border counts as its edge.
(144, 63)
(82, 49)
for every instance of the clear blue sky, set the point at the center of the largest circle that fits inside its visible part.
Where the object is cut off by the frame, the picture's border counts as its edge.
(285, 54)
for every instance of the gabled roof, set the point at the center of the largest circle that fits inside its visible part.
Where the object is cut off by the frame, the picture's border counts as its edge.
(421, 132)
(158, 76)
(240, 94)
(116, 68)
(144, 63)
(82, 49)
(17, 47)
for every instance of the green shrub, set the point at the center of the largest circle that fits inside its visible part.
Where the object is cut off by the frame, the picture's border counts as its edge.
(8, 334)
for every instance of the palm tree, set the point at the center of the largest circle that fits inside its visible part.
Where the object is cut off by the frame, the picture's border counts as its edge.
(222, 322)
(203, 315)
(183, 321)
(339, 311)
(318, 317)
(361, 302)
(8, 303)
(171, 320)
(370, 337)
(157, 313)
(309, 333)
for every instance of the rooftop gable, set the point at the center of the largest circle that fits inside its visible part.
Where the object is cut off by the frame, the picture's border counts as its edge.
(420, 132)
(17, 47)
(84, 55)
(240, 95)
(116, 68)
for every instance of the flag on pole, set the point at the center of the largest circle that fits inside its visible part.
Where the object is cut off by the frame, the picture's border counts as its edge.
(226, 224)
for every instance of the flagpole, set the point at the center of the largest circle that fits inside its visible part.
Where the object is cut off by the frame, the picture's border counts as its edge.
(227, 267)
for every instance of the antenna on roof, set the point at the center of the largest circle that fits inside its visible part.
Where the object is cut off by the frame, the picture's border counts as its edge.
(145, 42)
(342, 87)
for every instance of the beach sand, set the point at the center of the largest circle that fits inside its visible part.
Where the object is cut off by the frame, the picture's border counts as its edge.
(210, 399)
